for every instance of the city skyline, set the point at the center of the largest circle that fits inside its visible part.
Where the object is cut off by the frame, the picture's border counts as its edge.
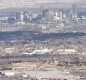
(42, 39)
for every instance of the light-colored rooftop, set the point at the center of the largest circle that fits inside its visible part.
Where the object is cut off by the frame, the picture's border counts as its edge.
(50, 74)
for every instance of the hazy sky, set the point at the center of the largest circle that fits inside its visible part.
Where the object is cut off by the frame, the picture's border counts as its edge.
(13, 3)
(38, 0)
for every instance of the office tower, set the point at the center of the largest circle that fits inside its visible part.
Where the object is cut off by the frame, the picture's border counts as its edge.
(34, 15)
(26, 16)
(41, 9)
(61, 14)
(82, 14)
(19, 16)
(56, 14)
(45, 11)
(39, 16)
(74, 9)
(64, 16)
(49, 16)
(70, 14)
(30, 16)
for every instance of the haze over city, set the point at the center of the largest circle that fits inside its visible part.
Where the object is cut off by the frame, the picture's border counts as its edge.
(33, 3)
(42, 39)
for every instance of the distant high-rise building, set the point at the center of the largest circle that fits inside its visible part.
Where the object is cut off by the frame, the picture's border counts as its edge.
(82, 14)
(74, 9)
(41, 9)
(70, 14)
(19, 16)
(61, 14)
(49, 16)
(56, 14)
(26, 16)
(45, 11)
(30, 16)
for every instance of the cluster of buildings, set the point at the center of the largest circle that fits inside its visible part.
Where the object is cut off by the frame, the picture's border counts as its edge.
(43, 15)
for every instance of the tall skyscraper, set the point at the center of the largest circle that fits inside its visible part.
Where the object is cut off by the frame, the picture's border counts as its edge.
(61, 14)
(74, 9)
(49, 16)
(19, 16)
(70, 14)
(45, 11)
(26, 16)
(41, 9)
